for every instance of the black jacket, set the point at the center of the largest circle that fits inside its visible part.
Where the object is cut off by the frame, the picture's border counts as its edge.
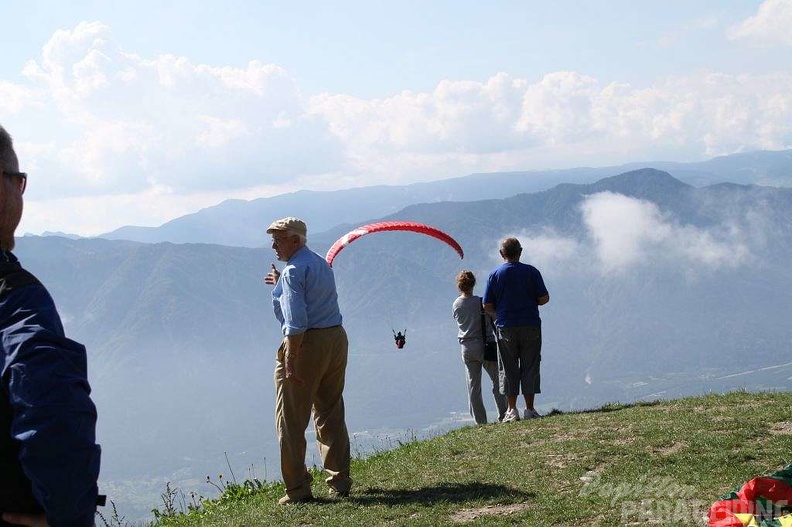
(49, 459)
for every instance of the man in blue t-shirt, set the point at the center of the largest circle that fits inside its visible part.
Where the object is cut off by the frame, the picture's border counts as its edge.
(513, 295)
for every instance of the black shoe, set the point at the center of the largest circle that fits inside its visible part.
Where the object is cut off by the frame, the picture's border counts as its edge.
(338, 493)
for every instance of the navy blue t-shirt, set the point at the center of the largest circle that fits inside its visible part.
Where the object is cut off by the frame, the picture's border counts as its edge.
(513, 288)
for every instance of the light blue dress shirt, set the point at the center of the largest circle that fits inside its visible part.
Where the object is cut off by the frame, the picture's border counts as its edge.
(305, 296)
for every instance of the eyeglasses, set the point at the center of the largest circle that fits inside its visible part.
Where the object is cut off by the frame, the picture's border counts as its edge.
(278, 239)
(21, 178)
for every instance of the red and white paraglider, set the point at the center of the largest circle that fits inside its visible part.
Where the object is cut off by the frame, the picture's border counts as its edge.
(382, 226)
(420, 228)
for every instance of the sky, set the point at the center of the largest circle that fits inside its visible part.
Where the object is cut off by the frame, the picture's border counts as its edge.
(135, 113)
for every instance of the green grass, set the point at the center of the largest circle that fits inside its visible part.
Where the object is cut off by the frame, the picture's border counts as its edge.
(645, 464)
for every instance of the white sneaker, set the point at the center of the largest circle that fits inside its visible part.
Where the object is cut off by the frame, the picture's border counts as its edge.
(511, 415)
(531, 414)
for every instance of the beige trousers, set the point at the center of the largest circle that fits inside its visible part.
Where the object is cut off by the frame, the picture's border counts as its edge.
(322, 365)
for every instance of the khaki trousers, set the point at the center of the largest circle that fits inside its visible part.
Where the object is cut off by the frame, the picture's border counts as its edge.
(322, 365)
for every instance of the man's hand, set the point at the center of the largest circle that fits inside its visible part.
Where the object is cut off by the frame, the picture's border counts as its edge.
(273, 276)
(291, 367)
(291, 358)
(30, 520)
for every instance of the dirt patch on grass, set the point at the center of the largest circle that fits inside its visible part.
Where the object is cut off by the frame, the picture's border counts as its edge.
(564, 436)
(782, 429)
(671, 449)
(750, 404)
(624, 440)
(721, 418)
(471, 515)
(560, 460)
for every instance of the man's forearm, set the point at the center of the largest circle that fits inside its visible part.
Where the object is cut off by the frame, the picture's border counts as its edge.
(291, 358)
(490, 310)
(294, 342)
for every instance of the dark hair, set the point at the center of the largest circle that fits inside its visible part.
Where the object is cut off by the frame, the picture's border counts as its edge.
(466, 280)
(8, 158)
(510, 248)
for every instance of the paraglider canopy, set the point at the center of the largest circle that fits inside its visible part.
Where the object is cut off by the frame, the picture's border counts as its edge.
(419, 228)
(762, 501)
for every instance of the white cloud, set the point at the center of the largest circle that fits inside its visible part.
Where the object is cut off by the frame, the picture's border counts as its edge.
(507, 123)
(622, 228)
(770, 24)
(623, 234)
(134, 122)
(628, 232)
(559, 108)
(460, 116)
(93, 119)
(549, 250)
(15, 98)
(214, 132)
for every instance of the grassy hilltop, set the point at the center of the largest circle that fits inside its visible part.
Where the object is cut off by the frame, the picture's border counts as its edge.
(658, 463)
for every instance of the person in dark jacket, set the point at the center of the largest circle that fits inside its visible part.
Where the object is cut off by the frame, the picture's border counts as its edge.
(49, 459)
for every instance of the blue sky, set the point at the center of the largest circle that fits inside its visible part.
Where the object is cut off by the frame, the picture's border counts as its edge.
(138, 112)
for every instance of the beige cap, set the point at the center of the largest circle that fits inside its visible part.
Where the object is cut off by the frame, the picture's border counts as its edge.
(295, 225)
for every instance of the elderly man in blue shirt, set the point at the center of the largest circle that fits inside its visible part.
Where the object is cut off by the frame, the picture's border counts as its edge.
(311, 363)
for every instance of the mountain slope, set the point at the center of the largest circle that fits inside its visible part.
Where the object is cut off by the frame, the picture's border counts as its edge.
(648, 464)
(239, 223)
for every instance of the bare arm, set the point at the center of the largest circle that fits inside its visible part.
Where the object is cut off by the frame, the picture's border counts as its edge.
(490, 310)
(542, 300)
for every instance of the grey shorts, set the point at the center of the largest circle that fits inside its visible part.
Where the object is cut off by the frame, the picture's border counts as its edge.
(520, 354)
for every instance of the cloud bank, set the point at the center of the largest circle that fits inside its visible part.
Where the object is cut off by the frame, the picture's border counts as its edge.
(132, 124)
(770, 25)
(623, 234)
(164, 135)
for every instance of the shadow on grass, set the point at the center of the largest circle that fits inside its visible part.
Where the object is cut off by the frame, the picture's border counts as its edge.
(451, 492)
(607, 407)
(615, 407)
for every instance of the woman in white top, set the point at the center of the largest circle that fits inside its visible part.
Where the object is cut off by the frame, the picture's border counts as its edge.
(467, 312)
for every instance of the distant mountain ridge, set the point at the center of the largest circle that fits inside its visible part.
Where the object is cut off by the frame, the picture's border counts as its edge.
(239, 222)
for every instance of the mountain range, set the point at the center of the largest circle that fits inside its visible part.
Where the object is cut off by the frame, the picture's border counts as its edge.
(238, 222)
(659, 288)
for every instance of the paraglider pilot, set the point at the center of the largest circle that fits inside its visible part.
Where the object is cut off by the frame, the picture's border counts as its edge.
(401, 339)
